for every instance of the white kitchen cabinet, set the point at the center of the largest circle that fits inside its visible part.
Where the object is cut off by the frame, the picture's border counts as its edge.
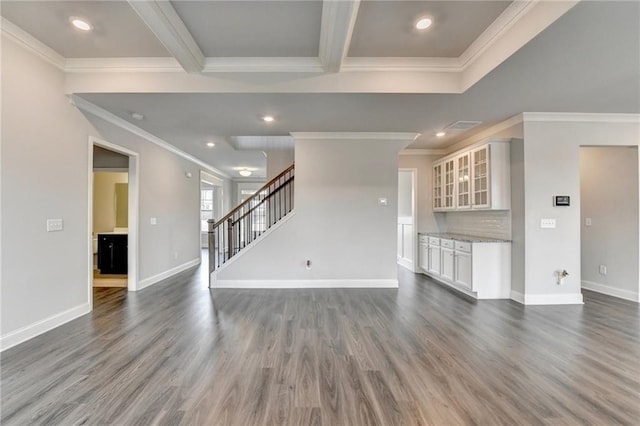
(479, 268)
(423, 253)
(434, 256)
(476, 178)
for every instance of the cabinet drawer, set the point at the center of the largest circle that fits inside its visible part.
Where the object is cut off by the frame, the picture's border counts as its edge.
(463, 246)
(434, 241)
(446, 243)
(424, 239)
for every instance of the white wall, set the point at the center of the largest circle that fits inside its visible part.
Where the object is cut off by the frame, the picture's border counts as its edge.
(44, 175)
(609, 198)
(552, 167)
(278, 160)
(166, 194)
(405, 194)
(337, 224)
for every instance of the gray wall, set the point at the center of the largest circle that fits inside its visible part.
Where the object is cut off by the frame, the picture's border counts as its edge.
(44, 175)
(405, 194)
(609, 197)
(338, 224)
(278, 160)
(105, 159)
(518, 241)
(427, 221)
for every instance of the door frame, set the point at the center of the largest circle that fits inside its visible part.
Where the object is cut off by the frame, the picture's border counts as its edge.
(133, 213)
(414, 215)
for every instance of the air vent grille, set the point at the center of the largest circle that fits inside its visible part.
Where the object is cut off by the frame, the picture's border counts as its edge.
(463, 125)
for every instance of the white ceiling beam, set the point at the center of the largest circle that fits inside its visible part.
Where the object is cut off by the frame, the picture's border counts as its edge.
(163, 20)
(336, 29)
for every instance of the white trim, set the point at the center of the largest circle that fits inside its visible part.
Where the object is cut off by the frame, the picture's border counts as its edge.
(551, 299)
(258, 64)
(423, 152)
(611, 291)
(133, 213)
(167, 274)
(352, 64)
(336, 29)
(346, 283)
(503, 125)
(390, 136)
(124, 124)
(77, 65)
(163, 20)
(30, 331)
(439, 280)
(580, 117)
(412, 264)
(406, 263)
(32, 44)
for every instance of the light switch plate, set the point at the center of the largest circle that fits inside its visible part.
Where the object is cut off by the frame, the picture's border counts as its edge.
(547, 223)
(587, 221)
(383, 201)
(54, 225)
(153, 221)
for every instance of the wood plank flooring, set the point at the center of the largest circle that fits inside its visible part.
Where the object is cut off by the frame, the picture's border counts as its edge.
(179, 353)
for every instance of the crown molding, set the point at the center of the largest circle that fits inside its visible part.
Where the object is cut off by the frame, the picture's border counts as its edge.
(111, 118)
(402, 64)
(267, 64)
(336, 29)
(163, 20)
(389, 136)
(98, 65)
(429, 151)
(579, 117)
(32, 44)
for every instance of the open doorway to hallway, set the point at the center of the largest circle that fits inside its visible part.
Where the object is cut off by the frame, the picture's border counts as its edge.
(407, 218)
(609, 220)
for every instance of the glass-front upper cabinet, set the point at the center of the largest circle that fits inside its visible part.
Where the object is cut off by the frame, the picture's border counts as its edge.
(449, 184)
(480, 183)
(437, 186)
(464, 181)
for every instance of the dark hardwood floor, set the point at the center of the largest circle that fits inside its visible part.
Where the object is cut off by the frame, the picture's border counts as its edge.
(178, 353)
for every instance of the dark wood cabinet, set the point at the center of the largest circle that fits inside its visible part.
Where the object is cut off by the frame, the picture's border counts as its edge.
(112, 253)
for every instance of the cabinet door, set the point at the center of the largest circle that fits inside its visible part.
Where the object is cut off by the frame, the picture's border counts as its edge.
(480, 177)
(434, 260)
(463, 269)
(424, 257)
(447, 271)
(464, 181)
(437, 186)
(449, 184)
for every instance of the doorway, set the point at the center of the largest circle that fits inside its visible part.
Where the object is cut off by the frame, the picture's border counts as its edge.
(407, 218)
(211, 196)
(609, 246)
(113, 216)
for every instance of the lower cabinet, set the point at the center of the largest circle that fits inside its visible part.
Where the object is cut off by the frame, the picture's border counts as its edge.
(112, 253)
(480, 269)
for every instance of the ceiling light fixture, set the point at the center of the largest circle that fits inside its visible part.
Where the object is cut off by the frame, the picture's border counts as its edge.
(440, 134)
(245, 172)
(137, 116)
(80, 23)
(211, 144)
(267, 118)
(424, 23)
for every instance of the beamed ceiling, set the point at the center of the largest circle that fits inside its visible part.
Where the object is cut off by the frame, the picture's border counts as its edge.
(201, 71)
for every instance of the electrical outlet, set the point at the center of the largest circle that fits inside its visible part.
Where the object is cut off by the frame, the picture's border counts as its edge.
(602, 269)
(547, 223)
(587, 221)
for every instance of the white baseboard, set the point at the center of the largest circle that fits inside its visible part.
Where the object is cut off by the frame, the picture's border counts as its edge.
(547, 299)
(406, 263)
(611, 291)
(23, 334)
(304, 284)
(166, 274)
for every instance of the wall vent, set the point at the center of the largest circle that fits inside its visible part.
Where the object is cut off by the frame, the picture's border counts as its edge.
(463, 125)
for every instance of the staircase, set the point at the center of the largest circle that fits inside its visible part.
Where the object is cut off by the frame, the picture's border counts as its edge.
(245, 223)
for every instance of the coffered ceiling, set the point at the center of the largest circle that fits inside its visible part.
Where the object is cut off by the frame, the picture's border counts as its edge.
(203, 71)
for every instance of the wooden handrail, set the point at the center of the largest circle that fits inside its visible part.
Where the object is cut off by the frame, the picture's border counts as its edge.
(261, 202)
(257, 194)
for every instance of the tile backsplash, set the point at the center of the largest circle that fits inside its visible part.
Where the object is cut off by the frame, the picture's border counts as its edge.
(491, 224)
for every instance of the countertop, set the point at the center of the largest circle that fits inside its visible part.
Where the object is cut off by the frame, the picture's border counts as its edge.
(463, 237)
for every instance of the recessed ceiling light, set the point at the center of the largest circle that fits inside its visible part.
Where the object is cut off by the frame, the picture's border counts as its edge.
(267, 118)
(211, 144)
(80, 23)
(137, 116)
(440, 134)
(424, 23)
(245, 172)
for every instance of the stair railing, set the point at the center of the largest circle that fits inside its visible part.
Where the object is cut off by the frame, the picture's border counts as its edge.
(245, 223)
